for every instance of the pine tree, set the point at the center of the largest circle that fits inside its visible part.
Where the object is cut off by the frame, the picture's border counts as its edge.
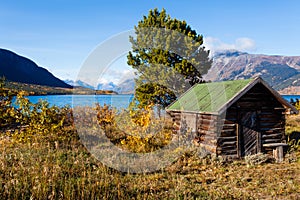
(169, 53)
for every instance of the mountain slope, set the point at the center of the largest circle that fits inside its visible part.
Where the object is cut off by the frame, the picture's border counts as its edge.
(281, 72)
(79, 83)
(20, 69)
(124, 87)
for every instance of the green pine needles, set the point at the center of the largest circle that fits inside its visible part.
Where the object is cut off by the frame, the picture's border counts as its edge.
(169, 53)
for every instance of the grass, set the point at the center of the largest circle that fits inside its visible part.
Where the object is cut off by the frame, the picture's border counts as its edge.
(43, 170)
(293, 132)
(293, 124)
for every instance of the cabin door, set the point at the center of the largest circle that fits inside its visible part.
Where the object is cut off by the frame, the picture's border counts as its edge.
(248, 134)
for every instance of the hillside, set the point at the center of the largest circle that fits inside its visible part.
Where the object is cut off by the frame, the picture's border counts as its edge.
(20, 69)
(281, 72)
(31, 89)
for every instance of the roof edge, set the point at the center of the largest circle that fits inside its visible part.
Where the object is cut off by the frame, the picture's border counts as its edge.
(194, 112)
(248, 87)
(278, 96)
(238, 95)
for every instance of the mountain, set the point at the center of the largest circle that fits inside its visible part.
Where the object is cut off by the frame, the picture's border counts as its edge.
(281, 72)
(79, 83)
(107, 86)
(17, 68)
(126, 87)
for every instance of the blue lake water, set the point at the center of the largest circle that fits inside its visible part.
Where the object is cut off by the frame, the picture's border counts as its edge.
(118, 101)
(289, 97)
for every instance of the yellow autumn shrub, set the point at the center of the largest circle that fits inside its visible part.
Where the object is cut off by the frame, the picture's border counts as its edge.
(136, 130)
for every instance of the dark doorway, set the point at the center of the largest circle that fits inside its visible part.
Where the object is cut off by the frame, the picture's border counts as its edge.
(248, 133)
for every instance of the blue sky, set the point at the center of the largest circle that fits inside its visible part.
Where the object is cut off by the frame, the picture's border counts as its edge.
(60, 34)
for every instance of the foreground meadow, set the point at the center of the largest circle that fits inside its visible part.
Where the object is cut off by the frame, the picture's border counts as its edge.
(67, 171)
(42, 157)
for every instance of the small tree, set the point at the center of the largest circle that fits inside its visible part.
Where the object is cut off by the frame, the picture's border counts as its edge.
(167, 55)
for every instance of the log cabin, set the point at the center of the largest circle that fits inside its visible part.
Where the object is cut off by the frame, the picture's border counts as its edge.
(233, 118)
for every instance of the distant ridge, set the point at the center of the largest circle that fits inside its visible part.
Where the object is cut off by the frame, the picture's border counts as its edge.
(281, 72)
(23, 70)
(125, 87)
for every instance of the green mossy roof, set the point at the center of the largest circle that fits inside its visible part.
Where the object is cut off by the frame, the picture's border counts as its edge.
(209, 97)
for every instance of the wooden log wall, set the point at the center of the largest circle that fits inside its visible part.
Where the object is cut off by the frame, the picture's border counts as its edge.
(176, 117)
(206, 128)
(227, 138)
(270, 116)
(272, 125)
(207, 125)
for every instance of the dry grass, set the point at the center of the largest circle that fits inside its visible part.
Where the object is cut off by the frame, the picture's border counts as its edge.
(43, 171)
(292, 124)
(55, 165)
(293, 132)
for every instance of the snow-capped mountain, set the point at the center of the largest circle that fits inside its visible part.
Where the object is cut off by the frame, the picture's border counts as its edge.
(125, 87)
(78, 83)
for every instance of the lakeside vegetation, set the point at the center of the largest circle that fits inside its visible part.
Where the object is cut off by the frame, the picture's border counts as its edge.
(42, 157)
(31, 89)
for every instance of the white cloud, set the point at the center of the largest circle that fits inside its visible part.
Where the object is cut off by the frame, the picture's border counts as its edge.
(245, 44)
(241, 44)
(128, 74)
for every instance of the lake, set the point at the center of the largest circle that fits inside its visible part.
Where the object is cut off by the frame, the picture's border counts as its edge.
(289, 97)
(118, 101)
